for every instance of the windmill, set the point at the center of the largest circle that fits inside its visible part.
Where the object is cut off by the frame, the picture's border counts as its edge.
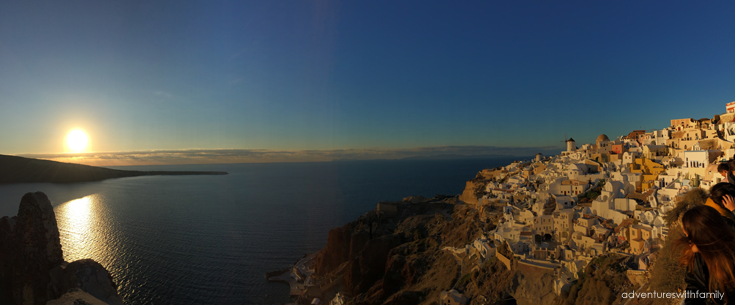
(565, 138)
(570, 146)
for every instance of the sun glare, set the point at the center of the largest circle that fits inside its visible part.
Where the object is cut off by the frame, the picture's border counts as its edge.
(77, 140)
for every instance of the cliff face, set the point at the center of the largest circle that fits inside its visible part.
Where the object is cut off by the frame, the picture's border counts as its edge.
(411, 257)
(532, 285)
(32, 268)
(470, 193)
(399, 259)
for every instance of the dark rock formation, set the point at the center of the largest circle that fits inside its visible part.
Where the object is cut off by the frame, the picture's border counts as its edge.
(89, 276)
(37, 249)
(7, 246)
(76, 297)
(32, 268)
(369, 267)
(405, 297)
(336, 251)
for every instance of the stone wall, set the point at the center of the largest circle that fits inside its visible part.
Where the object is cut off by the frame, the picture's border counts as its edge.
(503, 260)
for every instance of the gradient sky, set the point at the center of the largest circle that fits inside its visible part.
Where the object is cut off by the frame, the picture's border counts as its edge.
(329, 75)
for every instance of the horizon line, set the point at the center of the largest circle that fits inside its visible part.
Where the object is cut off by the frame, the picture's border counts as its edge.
(236, 155)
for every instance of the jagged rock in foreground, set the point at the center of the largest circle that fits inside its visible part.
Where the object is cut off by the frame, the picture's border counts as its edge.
(37, 250)
(32, 268)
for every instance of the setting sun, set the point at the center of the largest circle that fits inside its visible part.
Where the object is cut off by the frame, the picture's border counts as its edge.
(77, 140)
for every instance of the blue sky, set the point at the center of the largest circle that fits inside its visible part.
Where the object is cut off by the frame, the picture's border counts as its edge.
(329, 75)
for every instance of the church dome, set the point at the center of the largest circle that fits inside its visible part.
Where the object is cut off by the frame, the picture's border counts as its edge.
(602, 137)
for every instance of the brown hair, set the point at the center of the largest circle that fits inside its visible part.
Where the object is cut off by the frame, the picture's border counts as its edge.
(723, 167)
(718, 192)
(715, 241)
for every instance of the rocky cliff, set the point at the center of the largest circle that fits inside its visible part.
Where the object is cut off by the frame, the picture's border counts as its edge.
(475, 188)
(400, 258)
(32, 268)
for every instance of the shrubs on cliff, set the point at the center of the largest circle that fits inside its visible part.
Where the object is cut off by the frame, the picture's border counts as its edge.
(667, 274)
(592, 193)
(691, 199)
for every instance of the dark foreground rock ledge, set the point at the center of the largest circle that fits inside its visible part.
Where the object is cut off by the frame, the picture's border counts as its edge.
(32, 266)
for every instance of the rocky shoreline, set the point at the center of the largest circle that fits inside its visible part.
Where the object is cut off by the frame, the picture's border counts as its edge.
(298, 277)
(32, 268)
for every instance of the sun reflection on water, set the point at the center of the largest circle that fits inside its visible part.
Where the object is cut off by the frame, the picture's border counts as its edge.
(81, 230)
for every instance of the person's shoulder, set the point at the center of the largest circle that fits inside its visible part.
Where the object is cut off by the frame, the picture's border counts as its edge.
(728, 215)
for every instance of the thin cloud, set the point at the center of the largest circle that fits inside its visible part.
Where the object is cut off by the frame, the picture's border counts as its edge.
(205, 156)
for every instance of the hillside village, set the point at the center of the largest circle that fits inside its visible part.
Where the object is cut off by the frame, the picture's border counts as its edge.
(554, 216)
(609, 196)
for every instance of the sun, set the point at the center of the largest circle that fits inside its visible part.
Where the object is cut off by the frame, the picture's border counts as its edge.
(77, 140)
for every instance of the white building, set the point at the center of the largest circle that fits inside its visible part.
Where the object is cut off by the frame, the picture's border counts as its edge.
(452, 297)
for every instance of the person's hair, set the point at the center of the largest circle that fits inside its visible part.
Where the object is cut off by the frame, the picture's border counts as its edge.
(731, 163)
(723, 167)
(715, 241)
(717, 192)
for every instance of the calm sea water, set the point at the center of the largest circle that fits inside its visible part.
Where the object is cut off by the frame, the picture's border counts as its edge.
(211, 239)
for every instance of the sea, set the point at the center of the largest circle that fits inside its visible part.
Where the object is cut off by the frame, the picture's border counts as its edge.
(211, 239)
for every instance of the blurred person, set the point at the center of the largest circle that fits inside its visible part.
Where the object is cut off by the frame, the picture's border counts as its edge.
(724, 169)
(730, 175)
(708, 252)
(722, 199)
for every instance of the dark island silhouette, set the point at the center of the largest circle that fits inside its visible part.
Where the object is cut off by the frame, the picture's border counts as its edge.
(15, 169)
